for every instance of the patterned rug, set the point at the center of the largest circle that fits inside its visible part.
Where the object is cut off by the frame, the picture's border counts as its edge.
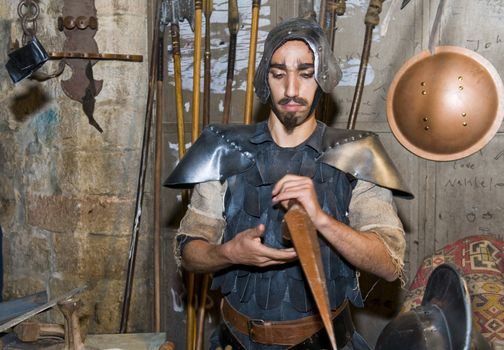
(480, 260)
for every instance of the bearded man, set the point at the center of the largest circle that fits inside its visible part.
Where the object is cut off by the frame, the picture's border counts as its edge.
(244, 176)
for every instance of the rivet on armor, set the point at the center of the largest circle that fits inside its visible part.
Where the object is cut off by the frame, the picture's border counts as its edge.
(425, 119)
(324, 76)
(424, 92)
(422, 83)
(461, 88)
(427, 128)
(320, 48)
(464, 114)
(464, 123)
(460, 78)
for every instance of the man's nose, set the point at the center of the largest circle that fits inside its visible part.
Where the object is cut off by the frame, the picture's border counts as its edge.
(292, 88)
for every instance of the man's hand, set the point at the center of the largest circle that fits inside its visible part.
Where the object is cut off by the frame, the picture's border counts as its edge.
(302, 190)
(246, 249)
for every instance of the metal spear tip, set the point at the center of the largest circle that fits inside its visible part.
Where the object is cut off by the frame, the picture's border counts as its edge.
(175, 11)
(186, 11)
(404, 3)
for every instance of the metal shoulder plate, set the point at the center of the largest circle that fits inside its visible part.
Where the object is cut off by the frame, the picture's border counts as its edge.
(218, 153)
(361, 154)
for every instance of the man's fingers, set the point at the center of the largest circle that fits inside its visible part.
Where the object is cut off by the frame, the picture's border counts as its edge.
(257, 231)
(279, 254)
(293, 192)
(284, 181)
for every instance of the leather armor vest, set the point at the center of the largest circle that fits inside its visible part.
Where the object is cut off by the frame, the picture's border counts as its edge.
(280, 292)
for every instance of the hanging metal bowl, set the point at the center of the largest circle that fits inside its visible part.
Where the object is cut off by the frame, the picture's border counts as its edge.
(447, 105)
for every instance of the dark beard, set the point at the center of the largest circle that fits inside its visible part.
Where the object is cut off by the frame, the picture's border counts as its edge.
(289, 119)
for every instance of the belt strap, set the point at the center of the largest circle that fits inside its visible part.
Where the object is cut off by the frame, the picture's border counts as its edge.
(275, 332)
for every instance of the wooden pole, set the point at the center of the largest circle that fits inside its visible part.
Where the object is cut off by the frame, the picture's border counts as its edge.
(198, 6)
(179, 103)
(249, 94)
(141, 178)
(157, 185)
(207, 9)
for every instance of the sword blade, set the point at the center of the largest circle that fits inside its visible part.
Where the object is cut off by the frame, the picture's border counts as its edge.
(305, 241)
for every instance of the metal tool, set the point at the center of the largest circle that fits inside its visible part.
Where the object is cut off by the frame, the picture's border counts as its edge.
(13, 322)
(73, 338)
(30, 331)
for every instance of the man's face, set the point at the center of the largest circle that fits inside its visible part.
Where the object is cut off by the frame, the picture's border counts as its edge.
(292, 83)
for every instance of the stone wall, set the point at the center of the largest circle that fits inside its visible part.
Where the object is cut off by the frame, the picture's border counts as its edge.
(67, 192)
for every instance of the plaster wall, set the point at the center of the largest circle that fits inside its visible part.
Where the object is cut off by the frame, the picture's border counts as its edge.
(67, 192)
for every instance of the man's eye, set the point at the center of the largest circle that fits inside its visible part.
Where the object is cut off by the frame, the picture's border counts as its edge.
(307, 75)
(276, 75)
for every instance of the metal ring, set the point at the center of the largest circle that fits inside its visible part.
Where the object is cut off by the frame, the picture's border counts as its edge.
(30, 5)
(25, 24)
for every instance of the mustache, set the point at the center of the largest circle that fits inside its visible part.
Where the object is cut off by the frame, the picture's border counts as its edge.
(299, 100)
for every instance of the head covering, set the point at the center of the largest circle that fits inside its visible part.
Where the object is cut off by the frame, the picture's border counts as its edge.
(327, 71)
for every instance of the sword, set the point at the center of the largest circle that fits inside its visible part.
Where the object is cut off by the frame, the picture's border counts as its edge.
(304, 238)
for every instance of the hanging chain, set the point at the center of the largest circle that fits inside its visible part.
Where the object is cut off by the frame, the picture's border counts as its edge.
(28, 11)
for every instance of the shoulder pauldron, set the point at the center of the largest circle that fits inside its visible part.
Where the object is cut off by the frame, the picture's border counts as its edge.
(221, 151)
(361, 154)
(225, 150)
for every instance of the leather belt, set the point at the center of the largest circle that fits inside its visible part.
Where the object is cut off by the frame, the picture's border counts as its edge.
(275, 332)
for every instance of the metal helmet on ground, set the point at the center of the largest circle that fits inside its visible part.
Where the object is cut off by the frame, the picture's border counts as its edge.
(445, 105)
(443, 321)
(327, 71)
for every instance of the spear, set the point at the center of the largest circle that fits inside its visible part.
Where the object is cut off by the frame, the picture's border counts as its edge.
(157, 182)
(141, 179)
(198, 6)
(175, 13)
(249, 94)
(371, 20)
(207, 9)
(234, 26)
